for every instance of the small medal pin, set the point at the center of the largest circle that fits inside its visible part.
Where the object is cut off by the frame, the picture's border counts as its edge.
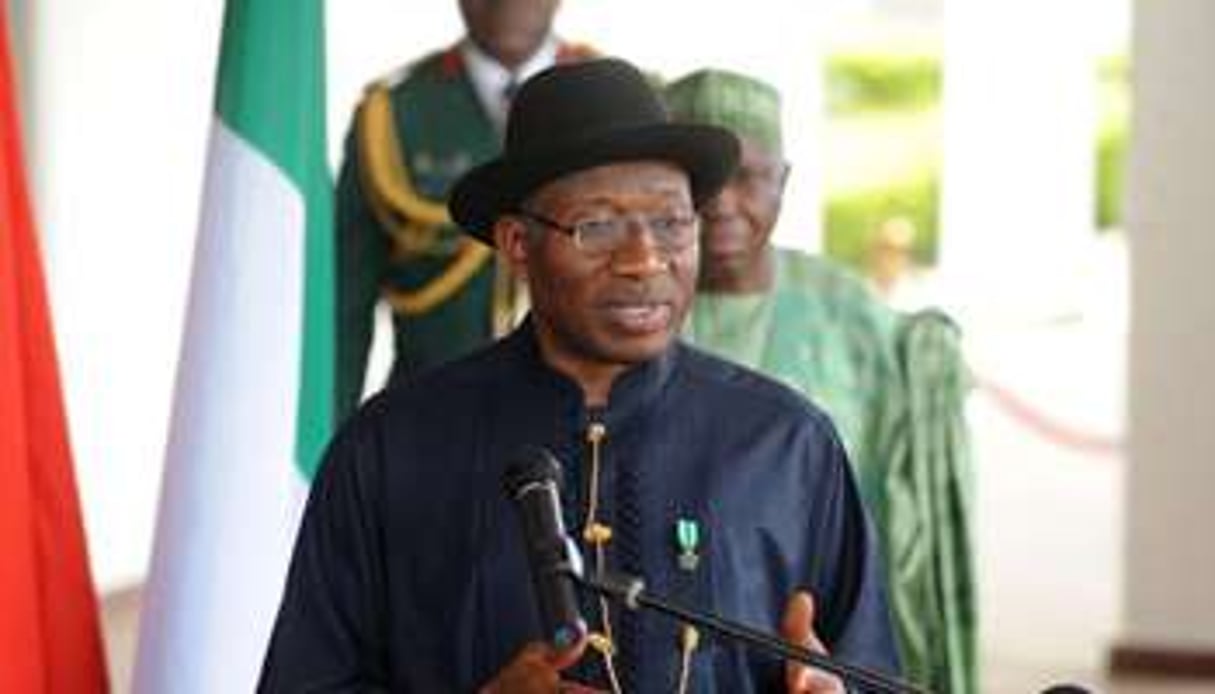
(687, 538)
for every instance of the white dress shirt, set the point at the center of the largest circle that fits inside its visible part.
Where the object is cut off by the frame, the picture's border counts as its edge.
(494, 83)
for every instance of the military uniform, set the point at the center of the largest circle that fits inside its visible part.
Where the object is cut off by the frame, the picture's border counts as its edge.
(413, 135)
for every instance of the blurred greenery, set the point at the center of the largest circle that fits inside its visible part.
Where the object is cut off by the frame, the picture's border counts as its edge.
(882, 82)
(1113, 128)
(853, 217)
(883, 148)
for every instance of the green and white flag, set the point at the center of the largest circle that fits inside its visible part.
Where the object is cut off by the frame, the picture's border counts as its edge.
(253, 399)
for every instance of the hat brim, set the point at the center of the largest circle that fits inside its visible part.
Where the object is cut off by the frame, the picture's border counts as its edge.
(707, 153)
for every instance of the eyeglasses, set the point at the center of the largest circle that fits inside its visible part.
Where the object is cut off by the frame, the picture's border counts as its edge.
(672, 231)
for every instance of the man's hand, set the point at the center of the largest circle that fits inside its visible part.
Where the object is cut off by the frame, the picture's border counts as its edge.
(537, 668)
(797, 626)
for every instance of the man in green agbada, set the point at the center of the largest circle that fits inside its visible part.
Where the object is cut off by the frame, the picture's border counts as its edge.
(894, 384)
(414, 133)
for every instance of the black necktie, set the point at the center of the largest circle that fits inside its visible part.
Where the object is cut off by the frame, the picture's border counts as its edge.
(509, 89)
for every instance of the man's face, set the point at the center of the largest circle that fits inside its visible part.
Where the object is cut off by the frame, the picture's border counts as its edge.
(606, 307)
(508, 30)
(737, 224)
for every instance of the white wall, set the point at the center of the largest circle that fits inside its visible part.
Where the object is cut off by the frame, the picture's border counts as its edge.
(120, 112)
(1169, 555)
(121, 94)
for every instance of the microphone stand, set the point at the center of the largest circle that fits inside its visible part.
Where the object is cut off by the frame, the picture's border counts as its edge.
(630, 590)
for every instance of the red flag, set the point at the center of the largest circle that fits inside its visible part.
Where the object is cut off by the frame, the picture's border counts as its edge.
(49, 636)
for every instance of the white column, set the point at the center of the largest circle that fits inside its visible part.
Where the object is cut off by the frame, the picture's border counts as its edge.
(1169, 555)
(1017, 181)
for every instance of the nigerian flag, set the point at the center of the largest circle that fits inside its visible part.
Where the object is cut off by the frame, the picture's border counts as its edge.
(253, 397)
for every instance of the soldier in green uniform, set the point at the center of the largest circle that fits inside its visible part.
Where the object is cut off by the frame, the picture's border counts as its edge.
(413, 134)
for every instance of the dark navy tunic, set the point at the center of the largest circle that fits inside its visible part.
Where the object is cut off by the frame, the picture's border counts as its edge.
(409, 572)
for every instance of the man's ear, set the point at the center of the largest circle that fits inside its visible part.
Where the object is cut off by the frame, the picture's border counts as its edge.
(511, 237)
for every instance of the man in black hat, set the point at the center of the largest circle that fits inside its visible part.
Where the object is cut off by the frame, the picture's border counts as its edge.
(723, 489)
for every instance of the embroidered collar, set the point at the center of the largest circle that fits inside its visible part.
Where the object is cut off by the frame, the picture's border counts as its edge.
(639, 386)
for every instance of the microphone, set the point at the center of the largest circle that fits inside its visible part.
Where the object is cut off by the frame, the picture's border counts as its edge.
(531, 481)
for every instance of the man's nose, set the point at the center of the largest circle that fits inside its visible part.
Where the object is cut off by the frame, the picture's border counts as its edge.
(639, 254)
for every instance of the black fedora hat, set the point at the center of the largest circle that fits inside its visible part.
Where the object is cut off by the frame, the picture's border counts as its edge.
(578, 116)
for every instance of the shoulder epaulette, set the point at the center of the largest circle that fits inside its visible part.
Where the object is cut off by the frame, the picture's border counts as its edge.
(446, 62)
(451, 62)
(391, 78)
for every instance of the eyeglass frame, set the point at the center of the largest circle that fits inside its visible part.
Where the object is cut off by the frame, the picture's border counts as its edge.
(577, 229)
